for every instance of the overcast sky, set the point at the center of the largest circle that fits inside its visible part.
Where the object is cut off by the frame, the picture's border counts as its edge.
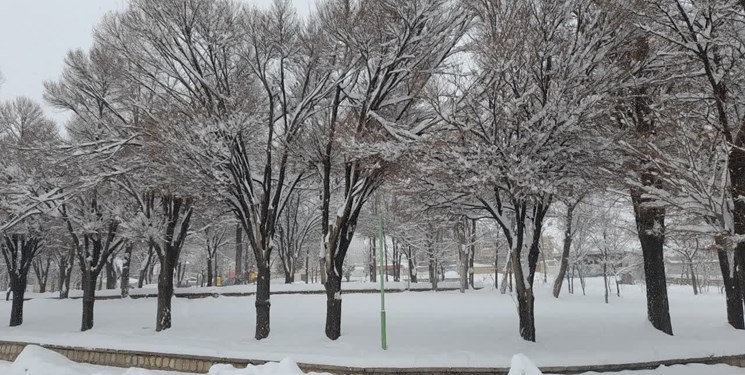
(35, 35)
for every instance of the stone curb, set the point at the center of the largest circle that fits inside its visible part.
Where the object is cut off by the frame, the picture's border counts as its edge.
(9, 350)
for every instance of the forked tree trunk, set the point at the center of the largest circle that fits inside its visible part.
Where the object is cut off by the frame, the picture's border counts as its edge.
(18, 287)
(263, 303)
(88, 284)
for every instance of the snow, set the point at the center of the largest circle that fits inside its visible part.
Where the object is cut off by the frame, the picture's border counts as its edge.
(522, 365)
(283, 367)
(680, 370)
(472, 329)
(35, 360)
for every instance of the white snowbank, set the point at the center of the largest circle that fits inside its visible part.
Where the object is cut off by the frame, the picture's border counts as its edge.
(681, 370)
(522, 365)
(283, 367)
(35, 360)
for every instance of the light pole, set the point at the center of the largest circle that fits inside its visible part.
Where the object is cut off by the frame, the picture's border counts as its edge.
(383, 339)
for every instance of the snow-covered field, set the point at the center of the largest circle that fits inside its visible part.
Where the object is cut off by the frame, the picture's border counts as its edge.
(38, 361)
(478, 328)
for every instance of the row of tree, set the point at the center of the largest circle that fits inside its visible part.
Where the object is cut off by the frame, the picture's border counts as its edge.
(482, 109)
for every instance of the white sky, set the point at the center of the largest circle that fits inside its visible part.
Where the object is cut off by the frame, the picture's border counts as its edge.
(35, 35)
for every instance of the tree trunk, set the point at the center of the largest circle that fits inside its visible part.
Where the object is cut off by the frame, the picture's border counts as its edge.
(433, 272)
(565, 249)
(333, 305)
(650, 222)
(110, 274)
(506, 276)
(263, 303)
(605, 273)
(496, 265)
(412, 270)
(289, 277)
(736, 167)
(210, 276)
(732, 292)
(18, 287)
(526, 313)
(124, 281)
(322, 268)
(373, 262)
(89, 298)
(307, 264)
(239, 272)
(472, 253)
(145, 269)
(165, 294)
(694, 282)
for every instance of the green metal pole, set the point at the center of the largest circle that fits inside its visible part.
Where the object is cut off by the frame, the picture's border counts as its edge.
(383, 339)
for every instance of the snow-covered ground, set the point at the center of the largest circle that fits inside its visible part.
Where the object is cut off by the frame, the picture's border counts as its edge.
(478, 328)
(35, 360)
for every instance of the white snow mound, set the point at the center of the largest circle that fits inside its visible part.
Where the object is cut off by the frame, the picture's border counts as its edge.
(35, 360)
(522, 365)
(285, 367)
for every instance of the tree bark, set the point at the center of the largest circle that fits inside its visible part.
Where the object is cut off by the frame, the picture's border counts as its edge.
(565, 249)
(127, 261)
(650, 222)
(333, 306)
(165, 295)
(526, 314)
(239, 272)
(694, 282)
(433, 271)
(18, 287)
(412, 269)
(88, 284)
(263, 303)
(110, 273)
(65, 273)
(145, 269)
(289, 277)
(735, 316)
(372, 260)
(472, 253)
(210, 275)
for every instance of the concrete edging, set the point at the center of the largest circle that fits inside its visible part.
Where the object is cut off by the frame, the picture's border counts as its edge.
(9, 350)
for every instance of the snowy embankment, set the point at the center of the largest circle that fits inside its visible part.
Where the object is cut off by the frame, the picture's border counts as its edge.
(522, 365)
(475, 329)
(35, 360)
